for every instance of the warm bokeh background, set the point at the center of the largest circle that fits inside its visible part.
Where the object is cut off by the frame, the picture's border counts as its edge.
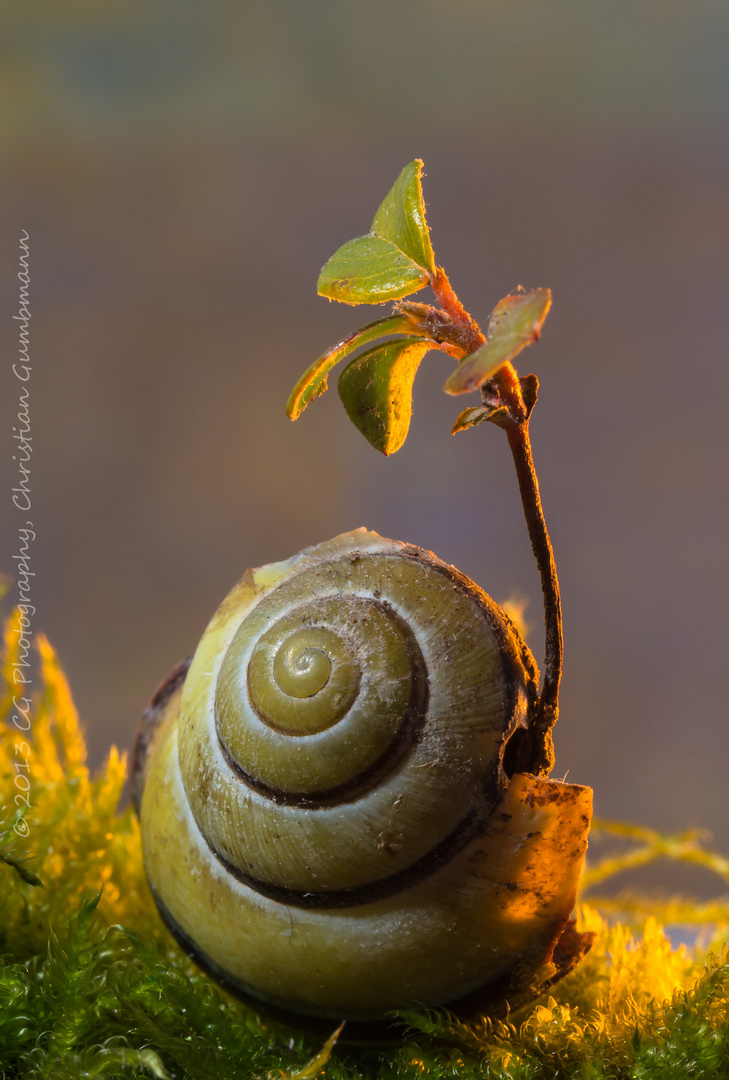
(185, 169)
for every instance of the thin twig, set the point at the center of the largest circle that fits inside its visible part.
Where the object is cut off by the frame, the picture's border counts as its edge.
(547, 707)
(464, 331)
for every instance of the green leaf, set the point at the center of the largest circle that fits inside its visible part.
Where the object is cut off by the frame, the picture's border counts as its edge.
(515, 323)
(396, 257)
(401, 217)
(376, 390)
(314, 380)
(370, 270)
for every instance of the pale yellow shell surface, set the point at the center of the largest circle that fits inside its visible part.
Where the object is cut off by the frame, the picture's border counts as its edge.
(348, 866)
(466, 925)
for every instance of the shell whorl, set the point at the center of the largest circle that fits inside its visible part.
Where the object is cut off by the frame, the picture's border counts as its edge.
(347, 735)
(328, 819)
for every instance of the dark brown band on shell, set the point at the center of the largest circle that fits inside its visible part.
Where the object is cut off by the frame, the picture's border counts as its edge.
(145, 734)
(516, 657)
(406, 739)
(383, 887)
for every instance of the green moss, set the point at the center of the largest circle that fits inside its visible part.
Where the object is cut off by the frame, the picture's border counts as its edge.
(92, 985)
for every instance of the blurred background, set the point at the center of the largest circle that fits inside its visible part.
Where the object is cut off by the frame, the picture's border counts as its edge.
(185, 169)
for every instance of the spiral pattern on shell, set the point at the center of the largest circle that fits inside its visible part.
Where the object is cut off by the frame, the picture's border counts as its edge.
(330, 820)
(353, 730)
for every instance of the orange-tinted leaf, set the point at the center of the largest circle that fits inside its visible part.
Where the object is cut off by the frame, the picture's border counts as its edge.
(314, 380)
(376, 390)
(515, 323)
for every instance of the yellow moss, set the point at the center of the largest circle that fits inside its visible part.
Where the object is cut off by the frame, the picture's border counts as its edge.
(623, 973)
(59, 710)
(78, 841)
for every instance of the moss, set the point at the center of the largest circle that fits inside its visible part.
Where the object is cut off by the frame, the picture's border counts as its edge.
(92, 985)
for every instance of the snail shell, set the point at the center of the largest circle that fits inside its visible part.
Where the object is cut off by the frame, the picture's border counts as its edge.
(329, 818)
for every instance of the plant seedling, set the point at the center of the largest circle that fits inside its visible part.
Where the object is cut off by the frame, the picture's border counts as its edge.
(393, 261)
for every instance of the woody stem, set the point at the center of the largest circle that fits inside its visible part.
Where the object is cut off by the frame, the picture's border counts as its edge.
(466, 332)
(547, 704)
